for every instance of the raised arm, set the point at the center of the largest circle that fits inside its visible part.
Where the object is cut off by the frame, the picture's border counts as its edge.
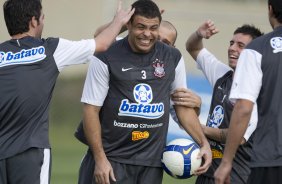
(194, 43)
(108, 35)
(103, 27)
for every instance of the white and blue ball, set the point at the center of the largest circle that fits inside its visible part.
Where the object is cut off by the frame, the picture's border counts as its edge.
(179, 158)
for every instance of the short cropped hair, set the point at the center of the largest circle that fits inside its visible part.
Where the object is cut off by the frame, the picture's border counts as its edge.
(146, 8)
(18, 14)
(277, 9)
(249, 30)
(170, 26)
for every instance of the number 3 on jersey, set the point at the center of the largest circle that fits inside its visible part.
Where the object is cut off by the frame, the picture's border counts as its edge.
(143, 72)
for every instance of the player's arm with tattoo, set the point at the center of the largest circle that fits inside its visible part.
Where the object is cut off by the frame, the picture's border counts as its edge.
(217, 134)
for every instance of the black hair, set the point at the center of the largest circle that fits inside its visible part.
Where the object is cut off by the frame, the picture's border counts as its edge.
(146, 8)
(249, 30)
(18, 14)
(277, 9)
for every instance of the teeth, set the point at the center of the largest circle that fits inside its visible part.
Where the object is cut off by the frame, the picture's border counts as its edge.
(145, 41)
(234, 57)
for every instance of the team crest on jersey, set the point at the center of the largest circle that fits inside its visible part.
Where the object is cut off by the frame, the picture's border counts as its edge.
(276, 44)
(216, 118)
(23, 57)
(159, 68)
(143, 95)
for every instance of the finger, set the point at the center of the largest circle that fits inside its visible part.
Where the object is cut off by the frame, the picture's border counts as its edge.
(106, 179)
(131, 12)
(119, 6)
(180, 90)
(112, 175)
(97, 180)
(215, 31)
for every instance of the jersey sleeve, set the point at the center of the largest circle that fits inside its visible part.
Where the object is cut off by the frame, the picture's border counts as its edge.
(248, 77)
(211, 67)
(180, 76)
(73, 52)
(96, 84)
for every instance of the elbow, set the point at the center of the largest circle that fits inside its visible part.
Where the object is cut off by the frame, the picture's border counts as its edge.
(102, 47)
(244, 107)
(189, 48)
(192, 51)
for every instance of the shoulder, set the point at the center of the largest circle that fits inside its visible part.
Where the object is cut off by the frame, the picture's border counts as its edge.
(164, 47)
(51, 42)
(269, 41)
(115, 49)
(168, 52)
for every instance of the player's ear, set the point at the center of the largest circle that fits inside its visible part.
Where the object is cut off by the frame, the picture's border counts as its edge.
(33, 22)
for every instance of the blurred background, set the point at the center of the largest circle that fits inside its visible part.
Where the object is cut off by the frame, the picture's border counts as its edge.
(76, 19)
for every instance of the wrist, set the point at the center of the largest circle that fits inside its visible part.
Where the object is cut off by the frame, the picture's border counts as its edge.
(199, 34)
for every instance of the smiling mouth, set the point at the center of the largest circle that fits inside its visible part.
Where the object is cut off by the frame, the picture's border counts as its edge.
(144, 42)
(231, 56)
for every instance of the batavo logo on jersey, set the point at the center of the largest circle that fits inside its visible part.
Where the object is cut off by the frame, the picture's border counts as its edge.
(138, 135)
(23, 57)
(143, 95)
(216, 154)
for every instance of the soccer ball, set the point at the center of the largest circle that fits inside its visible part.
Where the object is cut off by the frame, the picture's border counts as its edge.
(179, 158)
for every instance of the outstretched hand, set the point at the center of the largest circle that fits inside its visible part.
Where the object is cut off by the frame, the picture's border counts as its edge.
(207, 29)
(123, 16)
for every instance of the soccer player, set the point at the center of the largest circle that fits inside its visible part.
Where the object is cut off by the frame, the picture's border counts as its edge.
(257, 80)
(29, 67)
(167, 35)
(126, 100)
(220, 76)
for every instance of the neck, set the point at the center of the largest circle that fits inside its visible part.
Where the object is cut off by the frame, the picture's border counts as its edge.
(22, 35)
(277, 25)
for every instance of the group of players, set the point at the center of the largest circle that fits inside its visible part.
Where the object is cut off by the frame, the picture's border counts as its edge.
(135, 81)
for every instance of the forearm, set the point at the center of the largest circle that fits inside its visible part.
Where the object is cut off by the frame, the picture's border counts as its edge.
(92, 130)
(107, 35)
(103, 27)
(239, 122)
(190, 122)
(194, 44)
(100, 29)
(217, 134)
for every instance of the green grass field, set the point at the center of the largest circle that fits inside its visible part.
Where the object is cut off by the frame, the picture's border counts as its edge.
(67, 152)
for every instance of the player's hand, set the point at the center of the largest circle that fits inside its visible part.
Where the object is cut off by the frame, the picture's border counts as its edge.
(207, 29)
(123, 16)
(103, 171)
(222, 173)
(206, 155)
(186, 97)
